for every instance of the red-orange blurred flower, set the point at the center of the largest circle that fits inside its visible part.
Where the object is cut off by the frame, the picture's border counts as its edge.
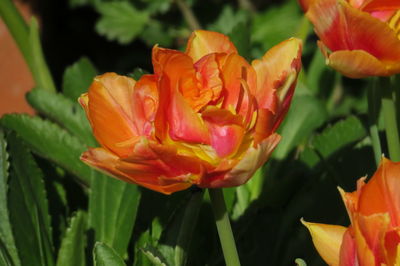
(374, 235)
(359, 38)
(205, 117)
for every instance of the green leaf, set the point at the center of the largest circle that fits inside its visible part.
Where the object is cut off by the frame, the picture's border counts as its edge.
(156, 32)
(338, 136)
(306, 113)
(28, 207)
(104, 255)
(154, 256)
(228, 20)
(64, 111)
(51, 142)
(113, 205)
(6, 237)
(72, 250)
(77, 78)
(276, 24)
(120, 21)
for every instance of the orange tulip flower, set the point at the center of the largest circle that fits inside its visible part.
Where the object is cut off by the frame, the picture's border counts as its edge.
(359, 38)
(205, 117)
(373, 237)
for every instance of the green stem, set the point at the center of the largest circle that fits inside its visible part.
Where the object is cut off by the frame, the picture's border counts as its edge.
(389, 112)
(187, 227)
(17, 27)
(224, 227)
(373, 114)
(188, 15)
(28, 41)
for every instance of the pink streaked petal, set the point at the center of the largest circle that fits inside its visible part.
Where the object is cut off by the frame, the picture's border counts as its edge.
(209, 75)
(277, 65)
(251, 160)
(348, 252)
(239, 80)
(373, 229)
(203, 42)
(342, 27)
(111, 164)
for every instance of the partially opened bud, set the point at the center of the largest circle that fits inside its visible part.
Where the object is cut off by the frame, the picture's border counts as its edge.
(373, 237)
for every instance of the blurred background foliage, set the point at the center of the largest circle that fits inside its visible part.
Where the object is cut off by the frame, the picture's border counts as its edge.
(54, 210)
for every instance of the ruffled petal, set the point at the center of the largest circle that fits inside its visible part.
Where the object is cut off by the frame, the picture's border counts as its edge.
(109, 111)
(145, 104)
(239, 80)
(327, 240)
(141, 174)
(203, 42)
(251, 160)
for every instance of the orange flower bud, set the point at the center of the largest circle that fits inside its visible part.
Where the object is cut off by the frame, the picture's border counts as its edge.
(373, 237)
(359, 38)
(205, 117)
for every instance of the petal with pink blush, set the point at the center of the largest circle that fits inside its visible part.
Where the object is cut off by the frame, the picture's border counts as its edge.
(342, 27)
(280, 63)
(203, 42)
(111, 164)
(348, 250)
(250, 161)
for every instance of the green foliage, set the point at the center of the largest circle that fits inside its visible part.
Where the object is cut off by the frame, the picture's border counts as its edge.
(8, 250)
(51, 142)
(104, 255)
(77, 78)
(120, 21)
(113, 205)
(64, 111)
(49, 218)
(305, 115)
(28, 208)
(276, 24)
(72, 250)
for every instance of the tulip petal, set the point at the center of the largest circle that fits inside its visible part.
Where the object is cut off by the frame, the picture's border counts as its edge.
(380, 5)
(368, 234)
(145, 104)
(203, 42)
(146, 172)
(327, 240)
(392, 247)
(342, 27)
(276, 77)
(360, 64)
(389, 180)
(239, 79)
(251, 160)
(109, 111)
(226, 130)
(348, 250)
